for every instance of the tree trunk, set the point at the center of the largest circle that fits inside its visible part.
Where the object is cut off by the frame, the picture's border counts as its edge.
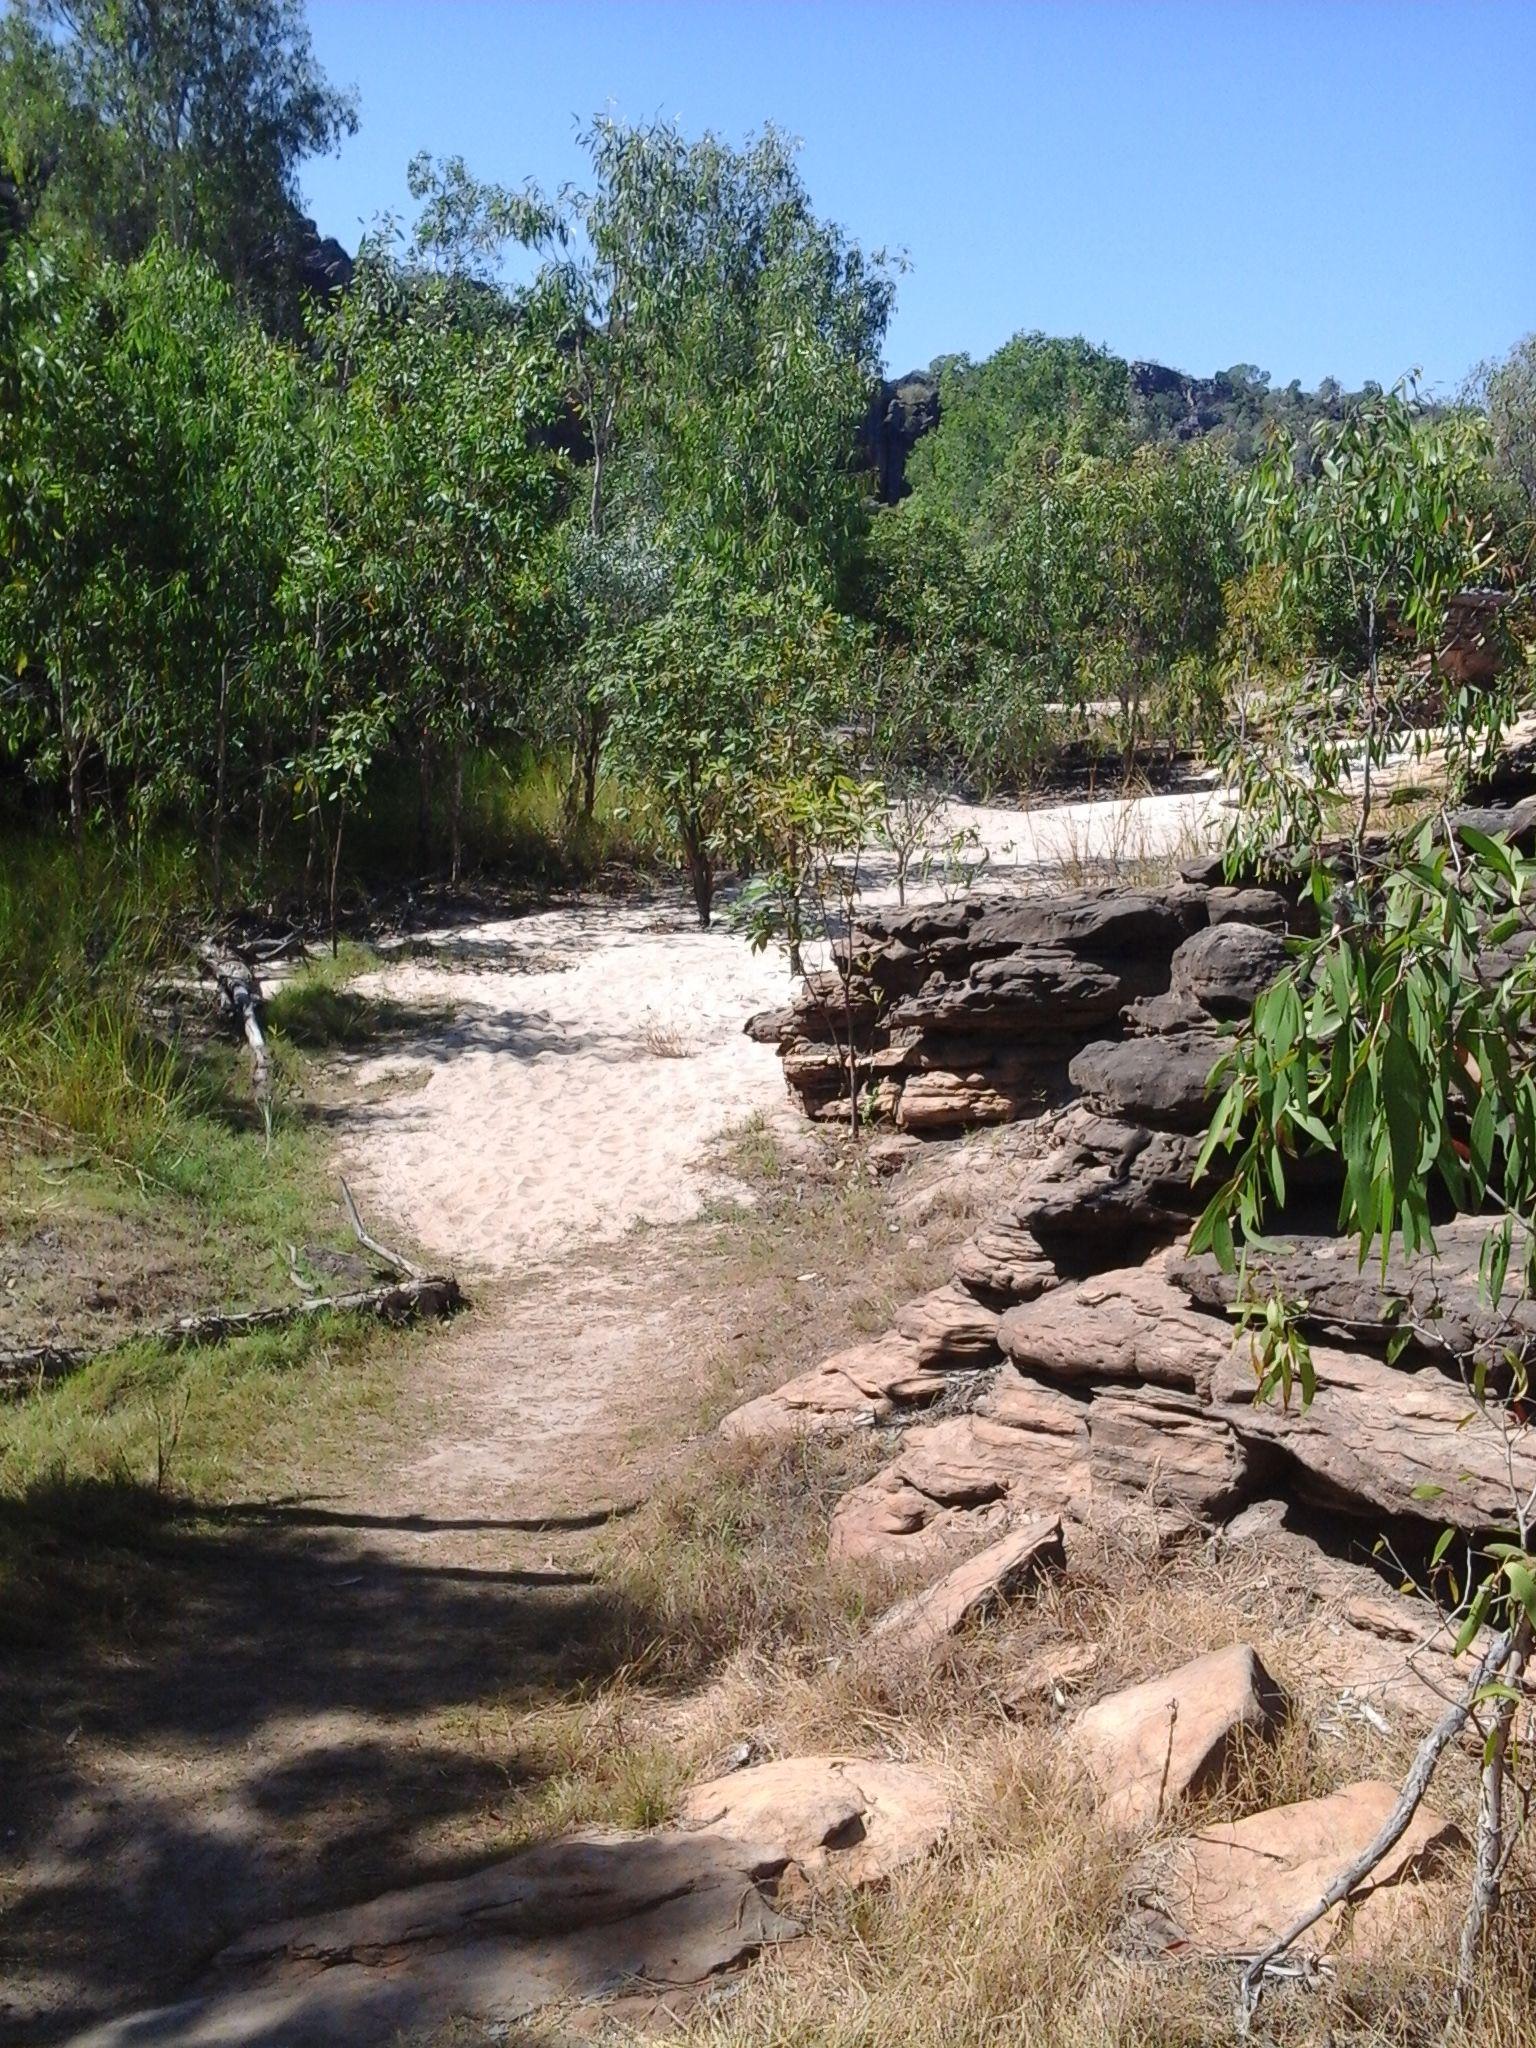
(456, 815)
(1492, 1825)
(701, 871)
(262, 795)
(341, 819)
(424, 804)
(220, 784)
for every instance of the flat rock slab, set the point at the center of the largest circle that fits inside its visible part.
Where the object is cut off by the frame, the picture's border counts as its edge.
(838, 1819)
(1374, 1434)
(852, 1389)
(1230, 1890)
(1161, 1741)
(586, 1917)
(1433, 1298)
(973, 1588)
(596, 1916)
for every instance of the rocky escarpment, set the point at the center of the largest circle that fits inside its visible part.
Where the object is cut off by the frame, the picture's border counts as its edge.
(974, 1012)
(1079, 1363)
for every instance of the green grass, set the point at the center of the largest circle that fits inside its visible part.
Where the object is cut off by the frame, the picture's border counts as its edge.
(138, 1181)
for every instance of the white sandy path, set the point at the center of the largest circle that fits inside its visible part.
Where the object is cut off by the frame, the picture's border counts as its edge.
(594, 1054)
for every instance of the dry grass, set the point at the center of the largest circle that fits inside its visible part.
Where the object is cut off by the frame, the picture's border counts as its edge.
(1016, 1931)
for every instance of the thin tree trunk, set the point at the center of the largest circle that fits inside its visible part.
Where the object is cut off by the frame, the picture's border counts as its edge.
(701, 871)
(424, 804)
(456, 814)
(262, 797)
(589, 766)
(220, 782)
(341, 819)
(1370, 728)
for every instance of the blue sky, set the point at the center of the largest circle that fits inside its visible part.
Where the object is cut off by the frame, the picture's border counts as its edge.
(1345, 188)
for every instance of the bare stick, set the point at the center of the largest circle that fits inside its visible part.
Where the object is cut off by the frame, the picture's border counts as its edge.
(1488, 1872)
(394, 1260)
(1386, 1838)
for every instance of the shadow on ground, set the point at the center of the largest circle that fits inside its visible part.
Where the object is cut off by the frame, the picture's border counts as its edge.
(210, 1718)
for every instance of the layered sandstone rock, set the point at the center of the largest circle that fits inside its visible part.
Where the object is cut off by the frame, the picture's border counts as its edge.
(971, 1012)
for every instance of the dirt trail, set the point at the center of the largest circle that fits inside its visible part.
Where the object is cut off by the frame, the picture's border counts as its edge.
(329, 1694)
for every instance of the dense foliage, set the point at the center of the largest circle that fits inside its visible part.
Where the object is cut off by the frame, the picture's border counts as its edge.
(264, 558)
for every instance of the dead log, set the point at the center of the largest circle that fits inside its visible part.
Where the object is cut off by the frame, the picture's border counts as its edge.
(399, 1301)
(411, 1295)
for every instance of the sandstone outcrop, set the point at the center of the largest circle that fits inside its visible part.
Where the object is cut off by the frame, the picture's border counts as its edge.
(1028, 1449)
(971, 1012)
(1168, 1738)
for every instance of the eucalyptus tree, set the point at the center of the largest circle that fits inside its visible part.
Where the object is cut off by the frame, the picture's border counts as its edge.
(723, 342)
(128, 119)
(1376, 523)
(416, 586)
(722, 702)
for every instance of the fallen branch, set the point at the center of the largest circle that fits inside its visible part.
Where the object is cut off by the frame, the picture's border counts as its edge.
(399, 1301)
(1393, 1828)
(240, 987)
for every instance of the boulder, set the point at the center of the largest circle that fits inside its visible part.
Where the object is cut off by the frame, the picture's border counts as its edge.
(1131, 1323)
(1004, 1263)
(1434, 1298)
(973, 1588)
(1231, 1889)
(949, 1327)
(1171, 1737)
(1266, 908)
(1374, 1435)
(1160, 1081)
(1226, 966)
(838, 1819)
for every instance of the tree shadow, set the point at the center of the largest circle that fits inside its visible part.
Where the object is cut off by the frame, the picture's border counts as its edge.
(211, 1718)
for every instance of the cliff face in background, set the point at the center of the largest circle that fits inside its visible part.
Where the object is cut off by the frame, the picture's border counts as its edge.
(899, 413)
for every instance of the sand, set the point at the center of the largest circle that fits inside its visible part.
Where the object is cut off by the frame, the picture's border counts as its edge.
(573, 1072)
